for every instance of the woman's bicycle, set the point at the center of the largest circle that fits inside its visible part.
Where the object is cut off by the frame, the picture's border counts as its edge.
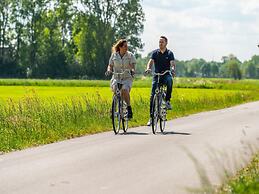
(119, 114)
(159, 111)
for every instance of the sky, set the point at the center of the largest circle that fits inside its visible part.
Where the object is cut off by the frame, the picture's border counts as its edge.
(207, 29)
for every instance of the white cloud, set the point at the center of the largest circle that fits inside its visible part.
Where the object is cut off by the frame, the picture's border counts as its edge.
(249, 7)
(203, 29)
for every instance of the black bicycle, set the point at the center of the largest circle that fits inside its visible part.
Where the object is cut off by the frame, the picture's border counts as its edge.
(119, 114)
(159, 111)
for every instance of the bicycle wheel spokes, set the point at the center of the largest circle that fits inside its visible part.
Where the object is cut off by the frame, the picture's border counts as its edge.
(162, 125)
(124, 117)
(116, 116)
(155, 113)
(162, 116)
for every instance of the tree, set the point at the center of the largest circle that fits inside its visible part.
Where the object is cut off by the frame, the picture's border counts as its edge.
(33, 10)
(130, 24)
(214, 69)
(194, 67)
(52, 59)
(233, 69)
(99, 25)
(5, 7)
(181, 69)
(65, 38)
(251, 67)
(205, 70)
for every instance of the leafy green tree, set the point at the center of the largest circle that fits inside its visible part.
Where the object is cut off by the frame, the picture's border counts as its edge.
(99, 25)
(141, 64)
(5, 7)
(52, 59)
(233, 69)
(205, 70)
(94, 46)
(251, 67)
(214, 69)
(181, 69)
(194, 67)
(33, 12)
(130, 23)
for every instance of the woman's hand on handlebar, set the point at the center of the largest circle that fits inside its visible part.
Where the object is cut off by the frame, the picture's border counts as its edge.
(108, 73)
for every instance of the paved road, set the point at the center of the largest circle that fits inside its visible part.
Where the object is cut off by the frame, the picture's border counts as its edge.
(138, 162)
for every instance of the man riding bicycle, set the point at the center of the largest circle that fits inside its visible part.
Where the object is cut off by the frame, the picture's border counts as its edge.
(120, 61)
(163, 59)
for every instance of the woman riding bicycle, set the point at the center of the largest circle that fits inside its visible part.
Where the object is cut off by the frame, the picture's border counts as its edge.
(120, 61)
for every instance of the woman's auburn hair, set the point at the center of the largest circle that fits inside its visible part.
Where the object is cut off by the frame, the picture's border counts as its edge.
(117, 45)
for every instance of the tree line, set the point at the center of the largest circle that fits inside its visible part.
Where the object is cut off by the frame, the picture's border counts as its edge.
(229, 67)
(65, 38)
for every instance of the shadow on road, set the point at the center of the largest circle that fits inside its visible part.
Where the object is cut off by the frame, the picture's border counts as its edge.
(174, 133)
(165, 133)
(134, 133)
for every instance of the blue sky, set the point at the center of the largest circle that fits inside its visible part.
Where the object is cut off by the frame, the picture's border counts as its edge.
(205, 29)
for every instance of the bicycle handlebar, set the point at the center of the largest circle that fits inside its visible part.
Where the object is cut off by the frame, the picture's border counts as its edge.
(161, 74)
(125, 71)
(158, 74)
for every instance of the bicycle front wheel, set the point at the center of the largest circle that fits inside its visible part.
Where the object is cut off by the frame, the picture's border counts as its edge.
(162, 124)
(125, 116)
(155, 113)
(116, 116)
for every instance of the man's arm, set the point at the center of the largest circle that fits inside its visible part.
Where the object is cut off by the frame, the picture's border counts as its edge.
(150, 64)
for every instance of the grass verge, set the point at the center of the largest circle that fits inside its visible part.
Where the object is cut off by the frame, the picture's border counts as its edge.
(33, 120)
(246, 180)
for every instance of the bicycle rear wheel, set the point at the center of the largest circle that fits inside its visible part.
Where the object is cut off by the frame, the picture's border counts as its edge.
(116, 116)
(125, 116)
(155, 113)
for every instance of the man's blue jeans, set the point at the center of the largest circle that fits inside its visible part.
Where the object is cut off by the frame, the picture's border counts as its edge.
(164, 80)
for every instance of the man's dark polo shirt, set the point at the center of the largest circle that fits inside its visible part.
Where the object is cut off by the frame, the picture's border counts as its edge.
(162, 60)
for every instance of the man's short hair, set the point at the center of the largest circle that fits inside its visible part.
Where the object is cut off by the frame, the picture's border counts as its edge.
(164, 38)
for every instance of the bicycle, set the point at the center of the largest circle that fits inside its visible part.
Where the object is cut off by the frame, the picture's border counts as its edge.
(159, 111)
(119, 112)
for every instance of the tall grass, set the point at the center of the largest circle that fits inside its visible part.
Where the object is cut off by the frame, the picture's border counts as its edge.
(246, 180)
(206, 83)
(33, 120)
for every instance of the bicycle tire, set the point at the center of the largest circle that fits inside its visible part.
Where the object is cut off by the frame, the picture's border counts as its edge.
(116, 120)
(155, 113)
(162, 125)
(125, 117)
(162, 117)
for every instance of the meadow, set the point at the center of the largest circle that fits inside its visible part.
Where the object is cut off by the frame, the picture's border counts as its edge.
(35, 112)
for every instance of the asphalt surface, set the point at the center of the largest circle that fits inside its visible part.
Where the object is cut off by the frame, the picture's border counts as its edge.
(196, 146)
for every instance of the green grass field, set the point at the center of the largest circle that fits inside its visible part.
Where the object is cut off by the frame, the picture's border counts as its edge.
(34, 114)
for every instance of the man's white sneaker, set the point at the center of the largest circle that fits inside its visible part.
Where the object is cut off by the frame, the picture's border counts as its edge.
(149, 122)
